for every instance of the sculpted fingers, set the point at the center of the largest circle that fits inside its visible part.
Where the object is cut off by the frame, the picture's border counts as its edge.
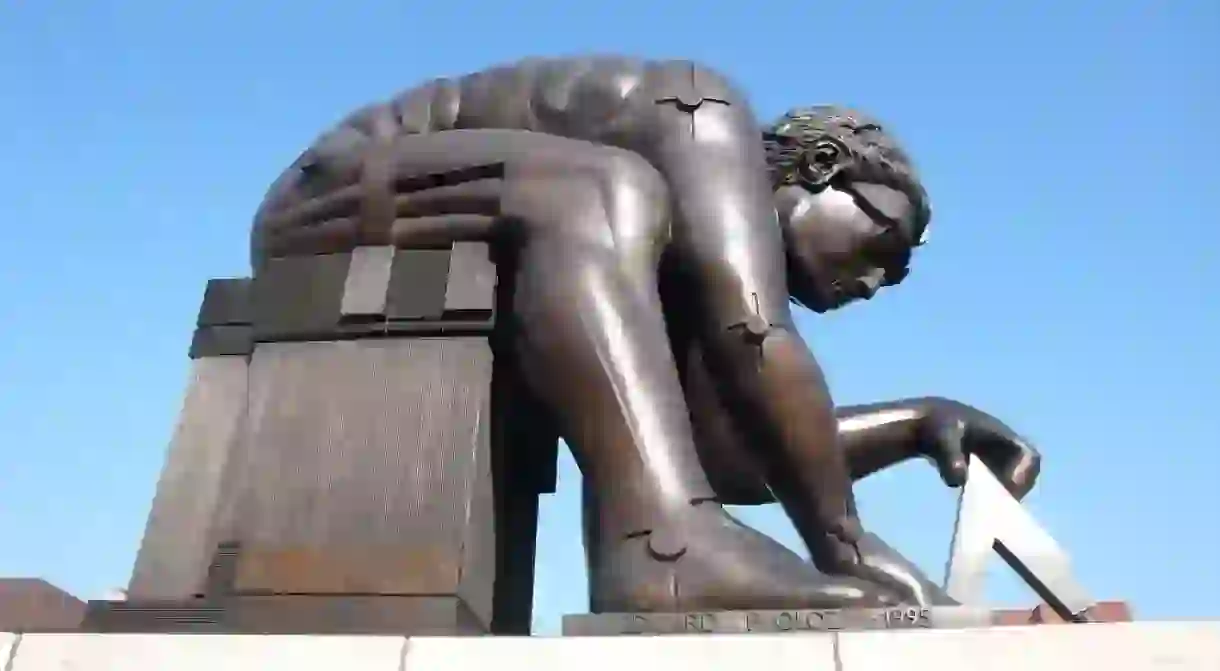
(954, 431)
(1015, 462)
(946, 435)
(1022, 473)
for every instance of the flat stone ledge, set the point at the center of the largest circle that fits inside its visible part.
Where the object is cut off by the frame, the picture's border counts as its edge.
(203, 652)
(1142, 646)
(636, 653)
(1134, 646)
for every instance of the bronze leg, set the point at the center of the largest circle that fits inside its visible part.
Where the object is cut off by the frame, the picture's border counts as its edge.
(738, 477)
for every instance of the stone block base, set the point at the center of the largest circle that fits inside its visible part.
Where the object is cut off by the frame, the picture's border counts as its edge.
(1139, 646)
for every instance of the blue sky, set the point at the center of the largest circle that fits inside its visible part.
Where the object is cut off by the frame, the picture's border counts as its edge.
(1069, 286)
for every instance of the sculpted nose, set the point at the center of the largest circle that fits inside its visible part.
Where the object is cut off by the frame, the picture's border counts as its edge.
(890, 252)
(871, 282)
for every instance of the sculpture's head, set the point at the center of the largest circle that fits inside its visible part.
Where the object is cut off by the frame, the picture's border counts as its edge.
(850, 204)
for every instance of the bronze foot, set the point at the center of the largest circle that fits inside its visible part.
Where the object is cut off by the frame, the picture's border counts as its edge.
(709, 561)
(917, 588)
(848, 550)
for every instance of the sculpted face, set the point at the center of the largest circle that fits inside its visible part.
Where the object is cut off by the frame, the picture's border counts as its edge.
(846, 232)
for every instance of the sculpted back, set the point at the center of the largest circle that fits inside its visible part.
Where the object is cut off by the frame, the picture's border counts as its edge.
(612, 101)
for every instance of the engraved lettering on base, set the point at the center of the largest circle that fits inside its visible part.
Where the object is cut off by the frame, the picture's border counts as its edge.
(763, 621)
(907, 617)
(988, 518)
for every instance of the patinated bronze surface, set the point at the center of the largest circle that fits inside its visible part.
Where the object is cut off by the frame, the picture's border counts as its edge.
(351, 457)
(656, 241)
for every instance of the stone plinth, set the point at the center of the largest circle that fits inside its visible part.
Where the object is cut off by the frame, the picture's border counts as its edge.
(1144, 646)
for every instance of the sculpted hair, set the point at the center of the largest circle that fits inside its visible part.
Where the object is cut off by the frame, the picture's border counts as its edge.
(876, 155)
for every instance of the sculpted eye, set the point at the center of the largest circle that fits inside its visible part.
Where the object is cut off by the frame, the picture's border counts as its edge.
(820, 162)
(826, 153)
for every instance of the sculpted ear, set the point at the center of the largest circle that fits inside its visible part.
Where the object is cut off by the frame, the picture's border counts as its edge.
(989, 518)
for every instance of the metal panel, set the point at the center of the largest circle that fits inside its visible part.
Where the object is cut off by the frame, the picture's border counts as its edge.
(367, 569)
(361, 445)
(226, 301)
(174, 555)
(417, 284)
(472, 278)
(368, 280)
(299, 296)
(224, 340)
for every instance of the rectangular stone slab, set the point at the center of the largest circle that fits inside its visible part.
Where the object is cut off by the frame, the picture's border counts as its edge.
(104, 652)
(775, 621)
(1176, 646)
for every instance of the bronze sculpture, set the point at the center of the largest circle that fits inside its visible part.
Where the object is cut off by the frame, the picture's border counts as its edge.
(656, 240)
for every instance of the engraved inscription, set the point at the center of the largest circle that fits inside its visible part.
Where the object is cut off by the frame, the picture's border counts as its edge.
(897, 618)
(727, 622)
(701, 623)
(635, 624)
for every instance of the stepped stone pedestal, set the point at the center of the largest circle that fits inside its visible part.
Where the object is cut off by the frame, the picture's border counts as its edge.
(354, 455)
